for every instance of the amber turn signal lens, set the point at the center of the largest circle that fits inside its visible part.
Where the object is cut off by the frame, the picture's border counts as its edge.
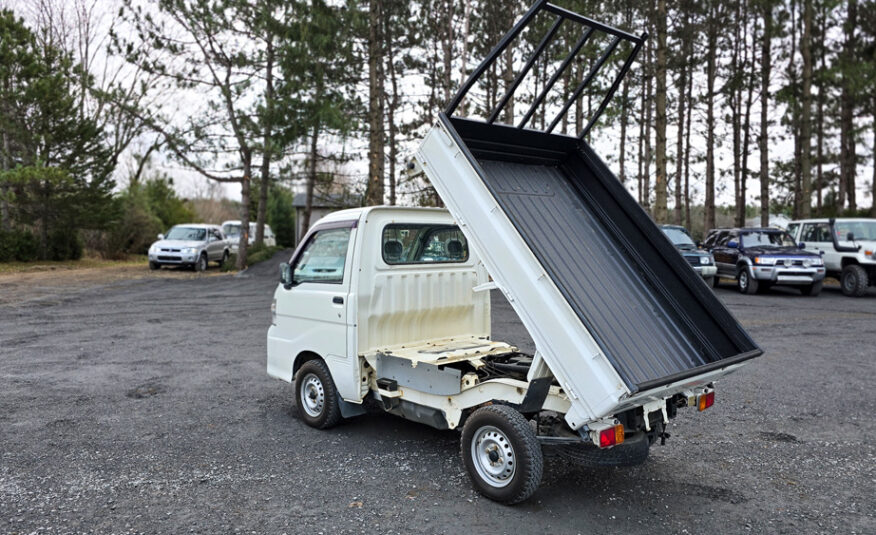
(706, 400)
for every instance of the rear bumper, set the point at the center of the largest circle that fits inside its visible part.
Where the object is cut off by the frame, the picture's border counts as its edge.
(794, 276)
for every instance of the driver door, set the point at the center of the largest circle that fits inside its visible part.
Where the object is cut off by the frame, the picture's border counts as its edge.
(313, 311)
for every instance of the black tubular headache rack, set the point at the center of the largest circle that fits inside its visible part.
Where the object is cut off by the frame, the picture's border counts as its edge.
(561, 15)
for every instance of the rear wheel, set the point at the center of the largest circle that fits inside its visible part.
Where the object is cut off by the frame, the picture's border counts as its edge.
(224, 259)
(316, 396)
(812, 289)
(501, 454)
(747, 284)
(854, 280)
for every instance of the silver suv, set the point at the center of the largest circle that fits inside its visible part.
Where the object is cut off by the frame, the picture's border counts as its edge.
(192, 245)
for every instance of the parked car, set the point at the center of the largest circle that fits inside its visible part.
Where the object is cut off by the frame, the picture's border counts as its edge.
(701, 261)
(848, 247)
(193, 245)
(232, 231)
(759, 258)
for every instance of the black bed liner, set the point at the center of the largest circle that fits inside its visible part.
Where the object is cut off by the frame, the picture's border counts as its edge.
(649, 312)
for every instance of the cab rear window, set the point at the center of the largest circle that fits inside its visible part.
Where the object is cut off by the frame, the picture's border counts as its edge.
(405, 243)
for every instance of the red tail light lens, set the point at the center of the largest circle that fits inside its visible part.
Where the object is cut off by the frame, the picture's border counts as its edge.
(706, 400)
(611, 436)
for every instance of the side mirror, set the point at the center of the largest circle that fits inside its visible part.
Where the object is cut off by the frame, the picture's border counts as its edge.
(733, 244)
(850, 236)
(286, 275)
(801, 245)
(161, 236)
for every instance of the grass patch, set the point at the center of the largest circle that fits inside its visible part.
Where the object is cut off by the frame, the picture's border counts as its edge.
(254, 255)
(82, 263)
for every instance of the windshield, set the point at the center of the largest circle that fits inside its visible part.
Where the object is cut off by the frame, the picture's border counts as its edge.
(678, 236)
(186, 234)
(863, 230)
(231, 229)
(767, 239)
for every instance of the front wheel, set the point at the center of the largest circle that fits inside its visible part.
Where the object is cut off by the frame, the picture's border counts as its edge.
(747, 284)
(201, 264)
(501, 454)
(154, 265)
(854, 280)
(710, 282)
(316, 396)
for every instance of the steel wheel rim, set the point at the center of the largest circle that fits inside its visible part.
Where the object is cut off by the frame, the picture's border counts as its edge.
(493, 457)
(312, 395)
(849, 281)
(743, 280)
(202, 263)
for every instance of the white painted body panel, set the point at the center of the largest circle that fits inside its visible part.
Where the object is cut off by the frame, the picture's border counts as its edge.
(593, 386)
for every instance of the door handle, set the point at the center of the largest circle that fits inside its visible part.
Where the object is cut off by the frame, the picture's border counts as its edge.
(338, 300)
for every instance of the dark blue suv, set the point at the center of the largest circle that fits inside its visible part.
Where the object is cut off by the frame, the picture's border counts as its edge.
(759, 258)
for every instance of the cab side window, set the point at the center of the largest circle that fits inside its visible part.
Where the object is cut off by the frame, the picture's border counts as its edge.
(323, 258)
(815, 232)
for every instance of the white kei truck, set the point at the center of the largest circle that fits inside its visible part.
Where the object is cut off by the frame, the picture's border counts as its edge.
(391, 305)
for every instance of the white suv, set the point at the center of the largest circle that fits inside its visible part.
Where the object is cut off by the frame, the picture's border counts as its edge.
(232, 231)
(848, 246)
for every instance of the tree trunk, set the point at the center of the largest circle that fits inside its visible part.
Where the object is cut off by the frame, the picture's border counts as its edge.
(679, 147)
(390, 117)
(311, 179)
(764, 113)
(624, 120)
(640, 178)
(847, 108)
(463, 68)
(806, 114)
(5, 224)
(660, 179)
(243, 246)
(735, 102)
(819, 120)
(709, 219)
(374, 189)
(265, 182)
(746, 125)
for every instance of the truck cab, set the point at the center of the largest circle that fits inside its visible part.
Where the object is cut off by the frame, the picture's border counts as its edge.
(848, 246)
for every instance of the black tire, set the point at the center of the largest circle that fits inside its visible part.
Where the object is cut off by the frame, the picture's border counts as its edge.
(154, 265)
(224, 259)
(202, 263)
(634, 451)
(710, 281)
(854, 280)
(746, 283)
(501, 454)
(813, 289)
(716, 281)
(316, 397)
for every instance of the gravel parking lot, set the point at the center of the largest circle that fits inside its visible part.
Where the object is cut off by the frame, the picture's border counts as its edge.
(143, 406)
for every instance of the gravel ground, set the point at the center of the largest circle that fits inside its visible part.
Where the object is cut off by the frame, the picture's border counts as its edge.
(142, 406)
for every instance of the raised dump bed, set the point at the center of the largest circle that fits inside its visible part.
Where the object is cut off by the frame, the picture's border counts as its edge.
(547, 214)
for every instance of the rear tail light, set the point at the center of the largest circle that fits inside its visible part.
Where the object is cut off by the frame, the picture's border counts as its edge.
(611, 436)
(704, 401)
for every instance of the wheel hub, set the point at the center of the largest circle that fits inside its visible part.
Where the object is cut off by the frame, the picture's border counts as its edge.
(493, 456)
(312, 395)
